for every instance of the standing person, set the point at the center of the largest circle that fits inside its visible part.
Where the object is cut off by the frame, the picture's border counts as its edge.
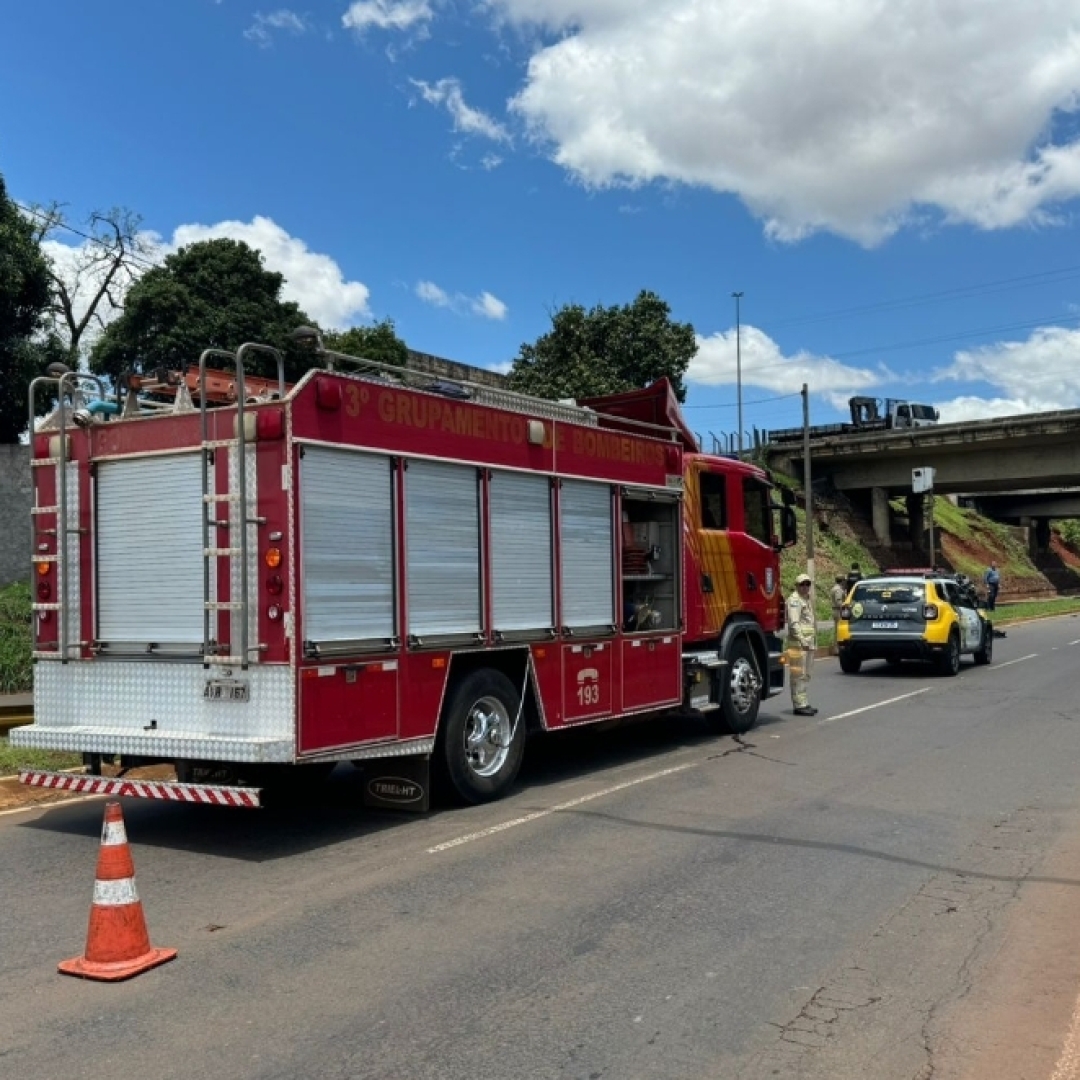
(838, 594)
(801, 633)
(992, 580)
(854, 576)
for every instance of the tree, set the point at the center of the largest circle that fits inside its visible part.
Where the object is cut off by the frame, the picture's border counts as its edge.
(212, 294)
(24, 299)
(379, 343)
(606, 350)
(89, 283)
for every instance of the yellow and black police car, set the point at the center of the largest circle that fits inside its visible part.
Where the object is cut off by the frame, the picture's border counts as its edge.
(914, 615)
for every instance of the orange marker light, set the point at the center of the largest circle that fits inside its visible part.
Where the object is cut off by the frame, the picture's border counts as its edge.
(43, 568)
(273, 558)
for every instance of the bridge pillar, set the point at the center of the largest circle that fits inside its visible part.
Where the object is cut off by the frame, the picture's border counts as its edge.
(879, 515)
(1038, 535)
(917, 520)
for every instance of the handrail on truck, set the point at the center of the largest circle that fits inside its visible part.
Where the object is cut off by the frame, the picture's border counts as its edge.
(68, 381)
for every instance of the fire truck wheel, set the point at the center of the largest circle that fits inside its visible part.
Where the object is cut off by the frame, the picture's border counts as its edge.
(482, 737)
(742, 689)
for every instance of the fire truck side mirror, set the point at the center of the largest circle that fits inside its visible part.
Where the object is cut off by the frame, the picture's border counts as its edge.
(788, 527)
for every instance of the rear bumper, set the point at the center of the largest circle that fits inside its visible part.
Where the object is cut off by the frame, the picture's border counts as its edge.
(158, 745)
(170, 791)
(882, 647)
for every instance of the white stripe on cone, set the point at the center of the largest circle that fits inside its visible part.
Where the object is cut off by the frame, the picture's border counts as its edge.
(115, 893)
(112, 833)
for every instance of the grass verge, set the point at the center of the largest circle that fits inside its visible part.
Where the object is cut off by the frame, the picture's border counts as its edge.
(1034, 609)
(14, 758)
(16, 670)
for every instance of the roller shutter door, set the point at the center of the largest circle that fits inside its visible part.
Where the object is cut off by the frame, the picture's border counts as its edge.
(443, 549)
(347, 545)
(521, 568)
(149, 550)
(587, 559)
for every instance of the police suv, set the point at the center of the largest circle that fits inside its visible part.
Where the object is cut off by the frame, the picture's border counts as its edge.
(914, 615)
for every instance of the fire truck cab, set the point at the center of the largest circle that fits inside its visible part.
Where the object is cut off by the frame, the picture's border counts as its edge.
(234, 575)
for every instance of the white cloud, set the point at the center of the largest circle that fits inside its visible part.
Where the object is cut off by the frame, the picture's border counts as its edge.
(488, 306)
(485, 305)
(313, 280)
(261, 30)
(1034, 375)
(763, 364)
(386, 15)
(470, 121)
(430, 293)
(850, 116)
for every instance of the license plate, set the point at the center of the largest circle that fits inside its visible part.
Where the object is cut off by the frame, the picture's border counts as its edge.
(226, 690)
(884, 626)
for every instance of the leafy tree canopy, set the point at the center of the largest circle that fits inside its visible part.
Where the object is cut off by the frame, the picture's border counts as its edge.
(212, 294)
(379, 343)
(606, 350)
(25, 348)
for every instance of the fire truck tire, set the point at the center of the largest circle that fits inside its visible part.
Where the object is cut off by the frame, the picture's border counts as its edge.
(482, 737)
(742, 689)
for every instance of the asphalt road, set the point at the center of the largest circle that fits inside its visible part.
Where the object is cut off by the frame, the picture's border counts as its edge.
(885, 890)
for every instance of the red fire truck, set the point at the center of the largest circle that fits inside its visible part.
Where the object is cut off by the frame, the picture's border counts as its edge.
(234, 576)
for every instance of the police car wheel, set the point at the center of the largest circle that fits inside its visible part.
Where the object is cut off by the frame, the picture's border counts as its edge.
(949, 661)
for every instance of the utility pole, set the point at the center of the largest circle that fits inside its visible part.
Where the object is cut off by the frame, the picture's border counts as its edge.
(738, 363)
(806, 485)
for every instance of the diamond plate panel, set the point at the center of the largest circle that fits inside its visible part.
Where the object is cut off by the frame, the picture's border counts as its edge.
(159, 709)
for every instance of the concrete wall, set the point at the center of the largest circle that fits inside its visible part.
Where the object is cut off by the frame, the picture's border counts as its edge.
(15, 502)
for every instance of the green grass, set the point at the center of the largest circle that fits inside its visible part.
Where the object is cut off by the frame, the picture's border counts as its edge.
(16, 670)
(14, 758)
(1034, 609)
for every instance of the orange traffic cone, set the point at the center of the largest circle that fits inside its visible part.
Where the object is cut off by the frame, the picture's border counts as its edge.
(117, 943)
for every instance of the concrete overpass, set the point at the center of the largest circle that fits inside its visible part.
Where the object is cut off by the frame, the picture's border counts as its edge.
(1030, 453)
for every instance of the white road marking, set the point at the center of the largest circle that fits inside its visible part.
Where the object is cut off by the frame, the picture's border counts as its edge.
(1068, 1066)
(1018, 660)
(47, 805)
(1076, 642)
(525, 819)
(876, 705)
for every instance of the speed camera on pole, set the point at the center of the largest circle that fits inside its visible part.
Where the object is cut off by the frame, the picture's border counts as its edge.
(922, 480)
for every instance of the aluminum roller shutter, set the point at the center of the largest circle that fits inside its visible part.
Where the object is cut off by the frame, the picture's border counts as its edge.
(347, 545)
(521, 569)
(442, 514)
(587, 554)
(149, 550)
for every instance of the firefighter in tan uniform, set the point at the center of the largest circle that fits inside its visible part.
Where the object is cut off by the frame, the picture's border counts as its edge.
(801, 634)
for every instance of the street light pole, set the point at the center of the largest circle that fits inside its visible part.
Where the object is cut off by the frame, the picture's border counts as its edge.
(738, 364)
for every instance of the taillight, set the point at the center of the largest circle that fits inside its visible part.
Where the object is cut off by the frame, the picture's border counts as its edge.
(274, 584)
(930, 612)
(44, 591)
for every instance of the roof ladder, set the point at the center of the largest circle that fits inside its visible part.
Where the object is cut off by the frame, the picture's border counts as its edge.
(66, 382)
(236, 521)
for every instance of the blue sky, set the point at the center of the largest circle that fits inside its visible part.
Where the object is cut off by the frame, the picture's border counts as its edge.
(892, 186)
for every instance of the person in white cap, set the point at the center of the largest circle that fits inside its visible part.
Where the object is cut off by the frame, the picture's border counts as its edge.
(801, 634)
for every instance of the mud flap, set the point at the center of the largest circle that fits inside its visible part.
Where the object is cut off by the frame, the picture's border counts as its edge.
(398, 784)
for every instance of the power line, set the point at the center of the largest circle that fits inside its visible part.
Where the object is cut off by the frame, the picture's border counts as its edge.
(963, 292)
